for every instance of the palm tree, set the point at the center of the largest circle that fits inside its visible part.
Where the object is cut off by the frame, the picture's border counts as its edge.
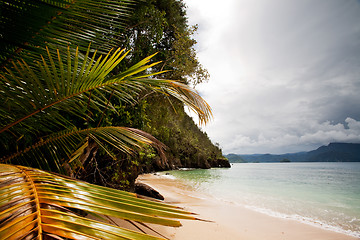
(57, 63)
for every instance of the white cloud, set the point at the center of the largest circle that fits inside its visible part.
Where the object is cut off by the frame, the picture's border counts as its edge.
(308, 138)
(285, 75)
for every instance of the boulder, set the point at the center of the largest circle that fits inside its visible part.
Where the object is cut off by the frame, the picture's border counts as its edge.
(145, 190)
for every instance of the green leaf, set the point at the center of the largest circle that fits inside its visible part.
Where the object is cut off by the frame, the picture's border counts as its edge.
(69, 143)
(26, 26)
(27, 94)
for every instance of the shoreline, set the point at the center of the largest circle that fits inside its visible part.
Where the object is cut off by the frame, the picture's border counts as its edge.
(228, 220)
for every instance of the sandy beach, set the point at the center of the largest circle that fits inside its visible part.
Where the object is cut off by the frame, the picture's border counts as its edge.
(228, 221)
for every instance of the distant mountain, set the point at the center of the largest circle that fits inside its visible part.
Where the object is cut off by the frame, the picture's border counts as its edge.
(234, 158)
(334, 152)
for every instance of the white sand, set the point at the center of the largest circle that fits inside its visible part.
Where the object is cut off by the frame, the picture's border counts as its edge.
(229, 221)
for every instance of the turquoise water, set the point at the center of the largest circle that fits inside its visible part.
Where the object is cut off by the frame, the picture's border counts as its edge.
(323, 194)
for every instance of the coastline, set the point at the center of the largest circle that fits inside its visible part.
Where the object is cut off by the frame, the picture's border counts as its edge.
(228, 221)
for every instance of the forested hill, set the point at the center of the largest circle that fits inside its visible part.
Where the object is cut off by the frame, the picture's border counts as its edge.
(159, 27)
(334, 152)
(187, 145)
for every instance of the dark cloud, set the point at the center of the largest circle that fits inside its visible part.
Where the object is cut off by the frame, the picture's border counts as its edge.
(285, 75)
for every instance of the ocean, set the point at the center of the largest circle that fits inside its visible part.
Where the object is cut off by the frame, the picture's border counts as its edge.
(325, 195)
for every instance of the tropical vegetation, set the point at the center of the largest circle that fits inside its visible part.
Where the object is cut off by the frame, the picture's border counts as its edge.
(64, 79)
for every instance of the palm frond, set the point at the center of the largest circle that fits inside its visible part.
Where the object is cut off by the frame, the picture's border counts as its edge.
(59, 148)
(191, 98)
(26, 26)
(64, 85)
(28, 91)
(35, 204)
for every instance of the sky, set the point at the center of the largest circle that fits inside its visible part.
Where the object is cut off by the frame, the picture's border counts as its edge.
(284, 74)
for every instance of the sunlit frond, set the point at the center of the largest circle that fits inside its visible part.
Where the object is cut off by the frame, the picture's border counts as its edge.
(35, 204)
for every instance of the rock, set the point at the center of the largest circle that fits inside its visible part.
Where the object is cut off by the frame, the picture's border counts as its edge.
(202, 164)
(223, 162)
(145, 190)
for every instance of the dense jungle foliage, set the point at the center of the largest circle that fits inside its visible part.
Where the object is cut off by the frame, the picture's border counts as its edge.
(159, 26)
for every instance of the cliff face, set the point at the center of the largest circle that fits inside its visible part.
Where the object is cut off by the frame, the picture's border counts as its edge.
(187, 145)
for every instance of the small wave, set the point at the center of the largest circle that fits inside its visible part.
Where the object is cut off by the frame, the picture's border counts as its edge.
(167, 176)
(306, 220)
(186, 169)
(296, 217)
(196, 196)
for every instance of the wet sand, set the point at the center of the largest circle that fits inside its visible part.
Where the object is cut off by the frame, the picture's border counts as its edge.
(228, 221)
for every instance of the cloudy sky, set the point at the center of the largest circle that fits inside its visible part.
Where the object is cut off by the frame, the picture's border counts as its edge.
(285, 74)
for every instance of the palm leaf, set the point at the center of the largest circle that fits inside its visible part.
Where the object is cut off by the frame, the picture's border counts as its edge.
(27, 92)
(35, 204)
(26, 26)
(59, 148)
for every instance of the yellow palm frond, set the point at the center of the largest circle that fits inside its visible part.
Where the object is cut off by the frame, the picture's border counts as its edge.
(35, 204)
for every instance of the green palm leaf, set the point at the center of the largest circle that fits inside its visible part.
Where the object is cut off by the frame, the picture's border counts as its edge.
(26, 26)
(59, 148)
(35, 204)
(65, 85)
